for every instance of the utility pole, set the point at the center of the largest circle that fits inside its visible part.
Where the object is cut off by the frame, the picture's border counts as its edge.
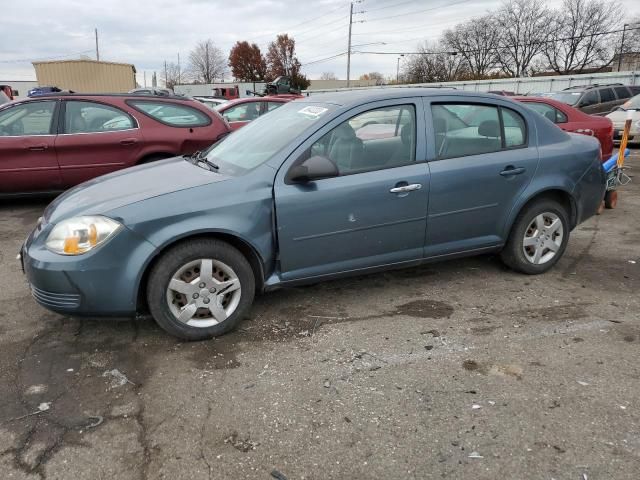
(349, 47)
(179, 71)
(398, 69)
(97, 49)
(624, 29)
(165, 74)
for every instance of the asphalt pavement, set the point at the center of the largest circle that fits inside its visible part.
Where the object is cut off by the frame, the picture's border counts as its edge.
(461, 370)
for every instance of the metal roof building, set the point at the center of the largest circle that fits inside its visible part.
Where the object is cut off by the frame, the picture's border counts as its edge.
(87, 76)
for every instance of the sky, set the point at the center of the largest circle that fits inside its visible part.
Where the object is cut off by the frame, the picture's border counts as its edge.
(148, 32)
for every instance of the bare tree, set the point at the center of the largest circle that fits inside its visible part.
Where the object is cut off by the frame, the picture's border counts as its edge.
(206, 62)
(433, 64)
(171, 75)
(574, 44)
(377, 76)
(328, 76)
(523, 26)
(632, 37)
(476, 41)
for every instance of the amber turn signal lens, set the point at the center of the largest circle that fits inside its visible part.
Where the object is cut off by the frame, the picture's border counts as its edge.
(71, 245)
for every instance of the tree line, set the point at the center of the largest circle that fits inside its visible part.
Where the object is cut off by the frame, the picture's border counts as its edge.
(524, 38)
(207, 63)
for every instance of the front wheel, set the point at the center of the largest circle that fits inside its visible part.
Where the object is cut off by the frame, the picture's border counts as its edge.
(200, 289)
(538, 238)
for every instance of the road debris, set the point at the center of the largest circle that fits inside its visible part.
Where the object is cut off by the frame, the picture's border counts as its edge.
(475, 406)
(475, 455)
(278, 475)
(43, 407)
(584, 384)
(118, 379)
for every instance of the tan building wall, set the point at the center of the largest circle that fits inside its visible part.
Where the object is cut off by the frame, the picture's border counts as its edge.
(87, 76)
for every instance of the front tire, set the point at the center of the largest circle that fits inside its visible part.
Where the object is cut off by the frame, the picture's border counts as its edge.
(538, 238)
(200, 289)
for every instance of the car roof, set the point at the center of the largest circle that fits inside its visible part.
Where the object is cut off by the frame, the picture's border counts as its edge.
(357, 97)
(111, 95)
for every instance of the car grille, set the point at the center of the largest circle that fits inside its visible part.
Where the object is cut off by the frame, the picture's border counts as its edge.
(56, 300)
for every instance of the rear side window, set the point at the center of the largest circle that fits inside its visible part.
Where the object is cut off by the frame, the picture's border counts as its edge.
(622, 92)
(91, 117)
(552, 113)
(515, 130)
(606, 95)
(171, 114)
(472, 129)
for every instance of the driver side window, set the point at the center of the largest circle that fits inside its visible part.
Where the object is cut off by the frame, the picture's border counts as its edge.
(31, 118)
(373, 140)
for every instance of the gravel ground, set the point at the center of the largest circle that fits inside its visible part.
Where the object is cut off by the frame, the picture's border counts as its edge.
(460, 370)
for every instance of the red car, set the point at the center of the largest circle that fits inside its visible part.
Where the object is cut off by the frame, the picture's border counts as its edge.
(573, 120)
(243, 110)
(53, 142)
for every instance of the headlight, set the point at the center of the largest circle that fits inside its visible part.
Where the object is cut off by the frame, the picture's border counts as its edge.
(78, 235)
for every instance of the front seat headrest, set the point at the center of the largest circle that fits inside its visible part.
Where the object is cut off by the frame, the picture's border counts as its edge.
(489, 128)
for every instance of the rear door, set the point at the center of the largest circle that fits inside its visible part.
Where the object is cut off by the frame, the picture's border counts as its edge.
(608, 101)
(484, 158)
(95, 139)
(27, 147)
(590, 102)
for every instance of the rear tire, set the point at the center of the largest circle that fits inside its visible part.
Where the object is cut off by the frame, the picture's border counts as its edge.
(538, 238)
(611, 199)
(200, 289)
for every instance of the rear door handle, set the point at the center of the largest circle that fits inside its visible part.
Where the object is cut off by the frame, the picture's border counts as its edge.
(406, 188)
(511, 170)
(128, 141)
(37, 148)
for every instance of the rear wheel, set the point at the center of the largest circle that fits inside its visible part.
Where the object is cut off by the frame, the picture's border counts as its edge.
(200, 289)
(611, 199)
(538, 238)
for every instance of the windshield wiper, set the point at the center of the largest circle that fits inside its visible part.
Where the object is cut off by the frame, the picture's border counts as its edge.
(199, 157)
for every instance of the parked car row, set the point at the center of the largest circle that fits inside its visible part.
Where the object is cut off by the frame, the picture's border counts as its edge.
(300, 195)
(55, 141)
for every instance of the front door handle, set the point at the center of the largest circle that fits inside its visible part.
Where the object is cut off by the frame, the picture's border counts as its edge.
(38, 148)
(128, 141)
(511, 170)
(406, 188)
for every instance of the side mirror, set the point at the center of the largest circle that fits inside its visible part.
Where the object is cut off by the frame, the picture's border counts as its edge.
(313, 168)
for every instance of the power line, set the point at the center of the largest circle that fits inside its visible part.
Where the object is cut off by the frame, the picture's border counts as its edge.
(391, 6)
(387, 17)
(500, 47)
(324, 59)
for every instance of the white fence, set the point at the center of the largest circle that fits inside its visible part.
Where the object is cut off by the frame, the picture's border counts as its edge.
(521, 86)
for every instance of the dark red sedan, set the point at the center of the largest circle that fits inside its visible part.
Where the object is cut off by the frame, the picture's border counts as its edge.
(244, 110)
(53, 142)
(573, 120)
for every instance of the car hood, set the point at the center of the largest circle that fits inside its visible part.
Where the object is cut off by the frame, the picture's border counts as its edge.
(128, 186)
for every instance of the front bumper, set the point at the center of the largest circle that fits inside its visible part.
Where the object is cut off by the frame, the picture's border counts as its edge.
(103, 282)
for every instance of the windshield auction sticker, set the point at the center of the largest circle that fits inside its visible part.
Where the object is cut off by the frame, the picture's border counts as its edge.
(313, 111)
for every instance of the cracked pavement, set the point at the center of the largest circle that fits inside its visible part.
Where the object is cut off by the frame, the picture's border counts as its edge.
(460, 370)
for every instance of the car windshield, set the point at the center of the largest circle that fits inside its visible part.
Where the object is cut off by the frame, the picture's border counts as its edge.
(570, 98)
(632, 104)
(259, 140)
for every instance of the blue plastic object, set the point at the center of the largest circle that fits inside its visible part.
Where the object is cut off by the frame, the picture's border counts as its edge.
(609, 164)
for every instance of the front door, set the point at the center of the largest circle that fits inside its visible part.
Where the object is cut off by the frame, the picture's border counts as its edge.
(27, 148)
(97, 139)
(483, 161)
(374, 212)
